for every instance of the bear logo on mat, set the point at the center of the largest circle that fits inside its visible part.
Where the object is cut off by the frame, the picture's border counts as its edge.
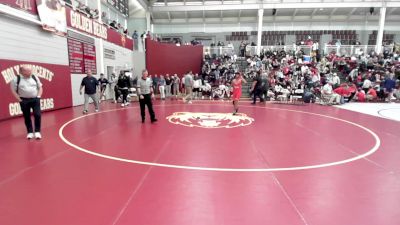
(210, 120)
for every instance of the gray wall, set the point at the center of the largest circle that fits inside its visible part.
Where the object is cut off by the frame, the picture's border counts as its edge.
(28, 42)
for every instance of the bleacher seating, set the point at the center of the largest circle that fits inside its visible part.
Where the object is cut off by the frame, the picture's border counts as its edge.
(387, 38)
(275, 37)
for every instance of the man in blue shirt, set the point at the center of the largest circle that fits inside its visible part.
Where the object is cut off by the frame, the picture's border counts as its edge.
(91, 85)
(388, 86)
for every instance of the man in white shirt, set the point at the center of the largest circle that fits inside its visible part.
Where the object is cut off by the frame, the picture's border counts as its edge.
(335, 80)
(27, 89)
(327, 93)
(146, 94)
(367, 84)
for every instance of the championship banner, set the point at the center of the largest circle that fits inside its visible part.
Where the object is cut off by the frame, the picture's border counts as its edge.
(25, 5)
(52, 16)
(56, 80)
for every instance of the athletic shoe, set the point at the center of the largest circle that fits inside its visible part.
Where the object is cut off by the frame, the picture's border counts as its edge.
(190, 102)
(96, 110)
(85, 112)
(126, 104)
(153, 121)
(38, 135)
(122, 105)
(29, 136)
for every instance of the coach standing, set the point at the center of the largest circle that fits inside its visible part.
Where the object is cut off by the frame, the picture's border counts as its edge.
(91, 85)
(146, 93)
(27, 89)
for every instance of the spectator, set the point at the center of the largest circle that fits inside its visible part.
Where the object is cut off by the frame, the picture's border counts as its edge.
(124, 84)
(389, 85)
(168, 85)
(335, 80)
(113, 25)
(176, 85)
(104, 17)
(161, 86)
(327, 93)
(197, 83)
(188, 81)
(155, 83)
(135, 37)
(27, 90)
(371, 94)
(360, 95)
(103, 82)
(344, 92)
(114, 86)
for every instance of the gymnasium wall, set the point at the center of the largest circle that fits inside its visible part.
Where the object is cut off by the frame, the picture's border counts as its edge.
(169, 58)
(23, 41)
(26, 43)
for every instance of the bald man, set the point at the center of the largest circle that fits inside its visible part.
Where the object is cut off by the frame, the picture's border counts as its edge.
(27, 89)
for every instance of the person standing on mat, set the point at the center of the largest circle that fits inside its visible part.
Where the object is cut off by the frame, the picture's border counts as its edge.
(256, 89)
(237, 91)
(124, 83)
(146, 93)
(103, 86)
(27, 89)
(188, 81)
(90, 84)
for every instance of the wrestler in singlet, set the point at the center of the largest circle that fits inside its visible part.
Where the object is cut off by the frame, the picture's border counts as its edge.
(237, 91)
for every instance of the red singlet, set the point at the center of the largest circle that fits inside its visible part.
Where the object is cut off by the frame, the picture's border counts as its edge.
(237, 89)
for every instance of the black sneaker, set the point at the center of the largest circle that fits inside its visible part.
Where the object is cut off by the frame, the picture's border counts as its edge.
(142, 120)
(154, 120)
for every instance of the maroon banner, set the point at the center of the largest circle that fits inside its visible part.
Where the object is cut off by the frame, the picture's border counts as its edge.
(56, 80)
(26, 5)
(84, 24)
(168, 58)
(80, 22)
(119, 39)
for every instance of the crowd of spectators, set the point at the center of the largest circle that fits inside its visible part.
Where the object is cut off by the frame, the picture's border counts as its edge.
(330, 78)
(95, 14)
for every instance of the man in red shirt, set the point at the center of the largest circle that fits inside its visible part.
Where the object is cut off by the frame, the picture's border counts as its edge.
(343, 90)
(371, 94)
(360, 95)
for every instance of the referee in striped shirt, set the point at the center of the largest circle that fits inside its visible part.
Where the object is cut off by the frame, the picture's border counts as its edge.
(145, 92)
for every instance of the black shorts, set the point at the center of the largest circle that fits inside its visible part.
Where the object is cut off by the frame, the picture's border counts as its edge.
(196, 89)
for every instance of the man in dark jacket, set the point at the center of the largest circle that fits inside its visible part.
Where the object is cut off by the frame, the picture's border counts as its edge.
(124, 83)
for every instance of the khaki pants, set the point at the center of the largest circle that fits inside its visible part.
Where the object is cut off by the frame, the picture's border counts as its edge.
(95, 100)
(189, 94)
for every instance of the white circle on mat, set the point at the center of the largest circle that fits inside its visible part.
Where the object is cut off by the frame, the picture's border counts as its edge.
(174, 166)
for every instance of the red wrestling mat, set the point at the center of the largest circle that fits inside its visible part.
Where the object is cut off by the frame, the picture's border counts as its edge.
(272, 164)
